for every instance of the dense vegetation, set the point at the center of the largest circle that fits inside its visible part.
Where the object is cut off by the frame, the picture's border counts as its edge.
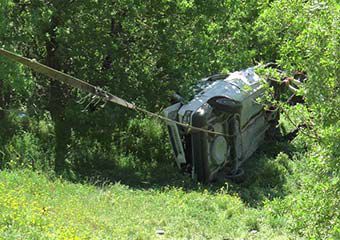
(144, 51)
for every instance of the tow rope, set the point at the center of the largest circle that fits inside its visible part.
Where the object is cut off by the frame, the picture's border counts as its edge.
(94, 90)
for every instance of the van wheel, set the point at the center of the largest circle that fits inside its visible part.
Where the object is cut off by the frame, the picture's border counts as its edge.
(225, 104)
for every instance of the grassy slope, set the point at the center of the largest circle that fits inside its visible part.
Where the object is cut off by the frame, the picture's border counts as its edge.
(34, 207)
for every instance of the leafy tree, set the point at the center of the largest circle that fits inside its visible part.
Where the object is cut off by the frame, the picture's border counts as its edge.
(140, 50)
(13, 84)
(304, 36)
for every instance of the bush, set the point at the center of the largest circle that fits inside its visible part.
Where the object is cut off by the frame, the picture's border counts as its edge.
(312, 206)
(25, 150)
(146, 139)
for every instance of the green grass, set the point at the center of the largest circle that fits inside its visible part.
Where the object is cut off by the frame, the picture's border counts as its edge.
(290, 191)
(32, 206)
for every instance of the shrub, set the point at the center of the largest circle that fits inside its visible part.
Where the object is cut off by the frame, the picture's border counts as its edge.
(25, 150)
(147, 140)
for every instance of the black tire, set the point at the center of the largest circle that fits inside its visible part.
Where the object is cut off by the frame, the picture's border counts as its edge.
(200, 148)
(225, 104)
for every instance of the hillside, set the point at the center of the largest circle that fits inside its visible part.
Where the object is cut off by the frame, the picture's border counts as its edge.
(34, 207)
(75, 166)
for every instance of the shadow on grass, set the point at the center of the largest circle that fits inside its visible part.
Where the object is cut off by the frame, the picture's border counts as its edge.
(133, 173)
(266, 173)
(264, 178)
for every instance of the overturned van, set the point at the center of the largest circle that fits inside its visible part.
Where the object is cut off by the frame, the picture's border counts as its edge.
(227, 105)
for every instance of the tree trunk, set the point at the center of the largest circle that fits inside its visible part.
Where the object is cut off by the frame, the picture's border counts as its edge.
(58, 100)
(2, 100)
